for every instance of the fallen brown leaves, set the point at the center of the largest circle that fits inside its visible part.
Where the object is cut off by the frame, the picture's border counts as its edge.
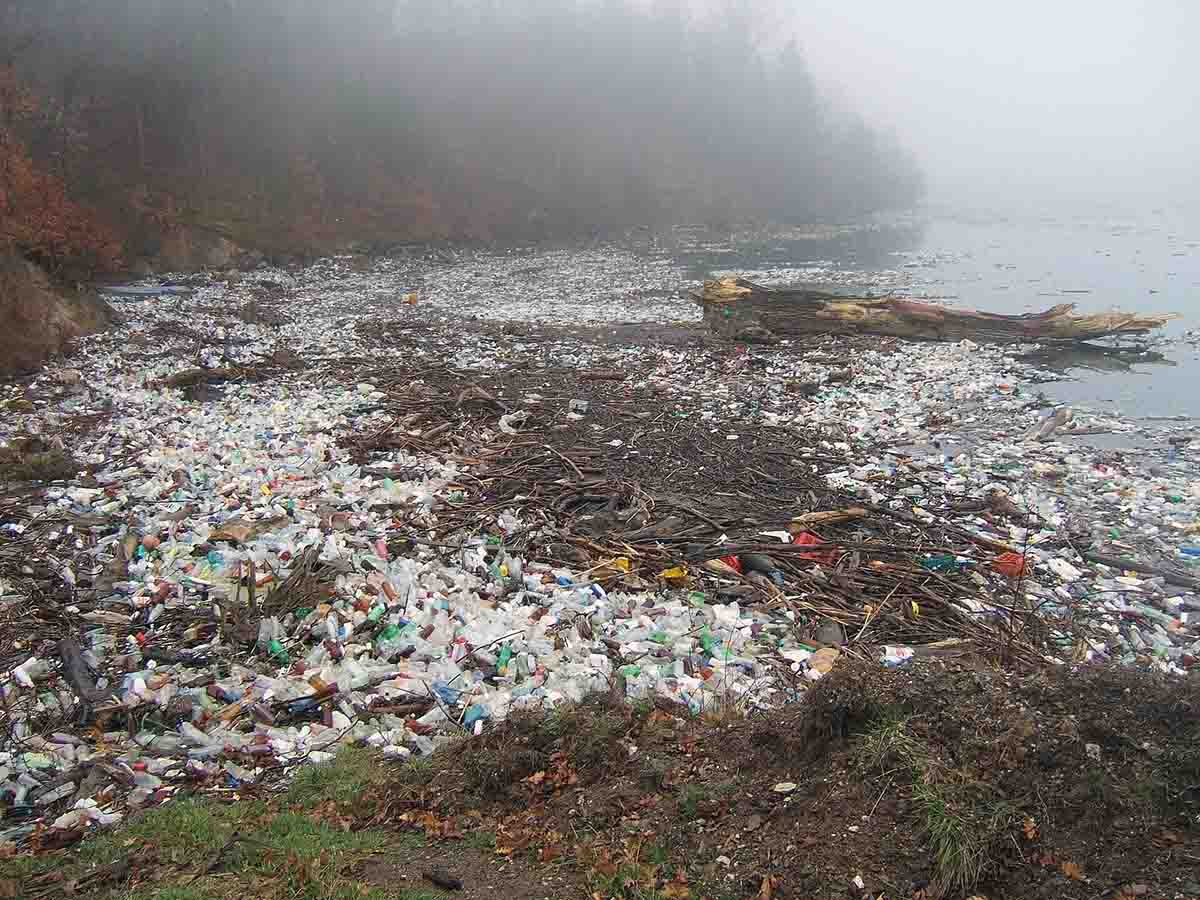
(1072, 871)
(431, 824)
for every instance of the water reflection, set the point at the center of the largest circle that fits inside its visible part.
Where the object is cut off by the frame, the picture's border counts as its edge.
(1094, 358)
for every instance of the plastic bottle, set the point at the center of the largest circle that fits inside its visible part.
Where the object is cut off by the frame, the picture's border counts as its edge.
(476, 712)
(388, 644)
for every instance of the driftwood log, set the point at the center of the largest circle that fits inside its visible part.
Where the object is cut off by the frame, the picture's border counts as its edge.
(734, 307)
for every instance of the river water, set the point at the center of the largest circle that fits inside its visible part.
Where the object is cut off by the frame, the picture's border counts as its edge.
(1019, 264)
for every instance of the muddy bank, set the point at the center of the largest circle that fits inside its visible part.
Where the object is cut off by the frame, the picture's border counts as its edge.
(942, 779)
(40, 318)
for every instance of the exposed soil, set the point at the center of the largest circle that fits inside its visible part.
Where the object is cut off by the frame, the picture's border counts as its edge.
(40, 319)
(1057, 784)
(483, 874)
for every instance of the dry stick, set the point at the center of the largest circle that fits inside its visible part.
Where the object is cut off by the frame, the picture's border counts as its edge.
(875, 612)
(449, 718)
(564, 459)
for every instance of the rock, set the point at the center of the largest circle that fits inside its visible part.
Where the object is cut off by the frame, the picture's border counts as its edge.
(754, 823)
(785, 787)
(188, 249)
(221, 253)
(41, 319)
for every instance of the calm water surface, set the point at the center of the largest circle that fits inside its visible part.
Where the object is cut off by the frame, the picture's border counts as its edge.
(1148, 263)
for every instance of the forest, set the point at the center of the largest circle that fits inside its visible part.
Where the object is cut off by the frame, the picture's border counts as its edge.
(304, 126)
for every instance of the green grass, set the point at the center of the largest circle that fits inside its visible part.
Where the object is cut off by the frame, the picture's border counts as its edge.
(690, 798)
(961, 828)
(959, 851)
(481, 839)
(274, 850)
(888, 744)
(625, 884)
(343, 780)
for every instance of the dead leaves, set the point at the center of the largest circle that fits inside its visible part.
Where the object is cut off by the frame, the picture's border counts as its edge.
(1072, 871)
(432, 825)
(561, 774)
(1030, 829)
(630, 866)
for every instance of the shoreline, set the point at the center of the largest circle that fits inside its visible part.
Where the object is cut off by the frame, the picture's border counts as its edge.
(361, 452)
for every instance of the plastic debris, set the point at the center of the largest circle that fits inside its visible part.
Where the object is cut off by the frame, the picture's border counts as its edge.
(315, 538)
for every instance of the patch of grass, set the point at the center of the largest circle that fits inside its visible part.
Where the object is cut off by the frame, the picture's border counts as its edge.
(589, 734)
(961, 828)
(690, 798)
(490, 769)
(173, 893)
(480, 839)
(658, 854)
(888, 743)
(185, 824)
(586, 737)
(627, 884)
(725, 788)
(1097, 785)
(343, 779)
(282, 849)
(959, 851)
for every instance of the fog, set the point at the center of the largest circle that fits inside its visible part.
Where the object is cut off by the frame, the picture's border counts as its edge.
(1043, 103)
(315, 123)
(443, 118)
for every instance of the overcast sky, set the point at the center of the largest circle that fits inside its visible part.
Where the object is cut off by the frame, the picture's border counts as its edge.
(1023, 97)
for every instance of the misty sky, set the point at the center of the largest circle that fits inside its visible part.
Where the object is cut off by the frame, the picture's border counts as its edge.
(1025, 97)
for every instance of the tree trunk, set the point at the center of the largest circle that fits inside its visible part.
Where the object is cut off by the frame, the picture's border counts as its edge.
(735, 307)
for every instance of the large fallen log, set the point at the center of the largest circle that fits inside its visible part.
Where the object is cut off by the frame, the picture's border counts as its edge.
(735, 307)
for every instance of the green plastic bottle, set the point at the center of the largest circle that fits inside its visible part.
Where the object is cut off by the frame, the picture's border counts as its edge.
(278, 653)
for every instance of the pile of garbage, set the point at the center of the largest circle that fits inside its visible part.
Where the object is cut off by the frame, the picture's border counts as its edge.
(356, 517)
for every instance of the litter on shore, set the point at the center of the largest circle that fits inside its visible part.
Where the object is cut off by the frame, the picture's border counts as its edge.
(369, 520)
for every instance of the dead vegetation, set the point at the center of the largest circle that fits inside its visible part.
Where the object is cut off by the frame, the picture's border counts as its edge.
(940, 779)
